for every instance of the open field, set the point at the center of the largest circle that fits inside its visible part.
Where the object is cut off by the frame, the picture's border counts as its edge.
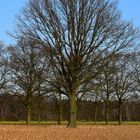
(83, 132)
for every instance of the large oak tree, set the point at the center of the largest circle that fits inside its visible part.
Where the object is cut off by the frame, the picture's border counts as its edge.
(77, 35)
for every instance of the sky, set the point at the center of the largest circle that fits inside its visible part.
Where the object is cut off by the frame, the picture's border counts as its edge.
(130, 10)
(8, 11)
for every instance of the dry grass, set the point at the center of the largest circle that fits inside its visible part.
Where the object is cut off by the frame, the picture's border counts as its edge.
(83, 132)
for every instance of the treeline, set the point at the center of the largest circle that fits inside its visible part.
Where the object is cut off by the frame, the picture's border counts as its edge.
(13, 108)
(77, 59)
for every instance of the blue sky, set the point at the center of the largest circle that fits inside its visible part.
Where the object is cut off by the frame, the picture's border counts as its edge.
(10, 8)
(130, 10)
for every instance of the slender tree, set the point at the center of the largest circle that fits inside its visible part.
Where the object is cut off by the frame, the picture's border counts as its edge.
(106, 86)
(28, 69)
(124, 80)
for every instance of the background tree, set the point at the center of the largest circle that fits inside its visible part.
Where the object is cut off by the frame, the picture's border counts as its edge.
(28, 70)
(106, 81)
(4, 67)
(4, 74)
(124, 80)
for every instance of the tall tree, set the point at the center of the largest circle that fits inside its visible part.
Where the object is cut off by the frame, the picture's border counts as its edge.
(106, 86)
(123, 81)
(76, 33)
(28, 70)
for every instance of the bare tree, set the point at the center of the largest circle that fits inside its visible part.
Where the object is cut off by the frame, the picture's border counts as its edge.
(135, 62)
(123, 82)
(28, 70)
(76, 33)
(4, 67)
(134, 99)
(106, 80)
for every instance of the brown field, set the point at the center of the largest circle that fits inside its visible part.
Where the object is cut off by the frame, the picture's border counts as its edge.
(83, 132)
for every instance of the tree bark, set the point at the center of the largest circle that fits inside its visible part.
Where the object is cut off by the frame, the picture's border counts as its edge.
(60, 111)
(73, 111)
(120, 112)
(95, 113)
(107, 113)
(38, 112)
(39, 118)
(28, 120)
(128, 118)
(133, 110)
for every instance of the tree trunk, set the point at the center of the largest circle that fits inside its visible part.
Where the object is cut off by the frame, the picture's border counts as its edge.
(95, 113)
(60, 111)
(39, 118)
(133, 110)
(38, 112)
(103, 110)
(114, 111)
(107, 113)
(127, 112)
(28, 121)
(73, 111)
(39, 106)
(120, 112)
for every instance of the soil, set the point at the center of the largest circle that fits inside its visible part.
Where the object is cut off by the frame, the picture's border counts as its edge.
(82, 132)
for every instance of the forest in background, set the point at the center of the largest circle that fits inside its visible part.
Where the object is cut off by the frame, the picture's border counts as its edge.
(13, 108)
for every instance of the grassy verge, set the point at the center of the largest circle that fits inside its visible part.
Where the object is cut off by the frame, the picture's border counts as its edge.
(65, 123)
(110, 123)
